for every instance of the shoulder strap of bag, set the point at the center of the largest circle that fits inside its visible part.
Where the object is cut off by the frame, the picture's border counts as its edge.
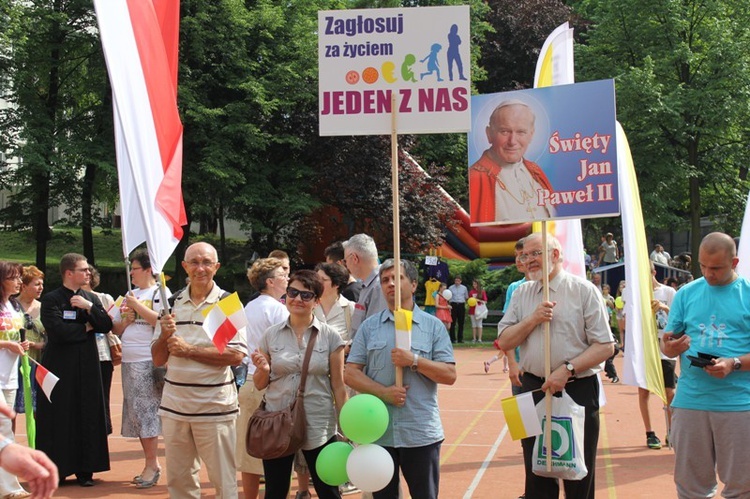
(306, 363)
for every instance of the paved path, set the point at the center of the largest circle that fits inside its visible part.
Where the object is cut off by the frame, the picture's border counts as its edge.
(479, 460)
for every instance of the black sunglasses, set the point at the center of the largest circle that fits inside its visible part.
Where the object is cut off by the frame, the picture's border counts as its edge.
(304, 295)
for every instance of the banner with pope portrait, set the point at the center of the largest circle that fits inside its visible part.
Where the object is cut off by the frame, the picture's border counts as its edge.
(543, 154)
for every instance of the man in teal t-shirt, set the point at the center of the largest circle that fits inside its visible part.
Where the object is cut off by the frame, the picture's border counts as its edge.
(711, 409)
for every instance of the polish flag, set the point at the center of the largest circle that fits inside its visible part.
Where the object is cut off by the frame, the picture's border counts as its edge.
(46, 380)
(140, 42)
(223, 320)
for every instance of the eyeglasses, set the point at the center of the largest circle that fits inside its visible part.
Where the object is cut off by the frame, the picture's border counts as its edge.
(85, 271)
(293, 293)
(527, 256)
(283, 275)
(201, 263)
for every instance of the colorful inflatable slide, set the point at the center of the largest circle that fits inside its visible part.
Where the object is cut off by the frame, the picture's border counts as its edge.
(464, 242)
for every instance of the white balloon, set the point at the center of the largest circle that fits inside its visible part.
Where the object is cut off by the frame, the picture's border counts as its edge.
(370, 467)
(447, 294)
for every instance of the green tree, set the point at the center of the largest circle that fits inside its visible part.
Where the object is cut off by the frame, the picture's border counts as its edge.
(56, 84)
(682, 87)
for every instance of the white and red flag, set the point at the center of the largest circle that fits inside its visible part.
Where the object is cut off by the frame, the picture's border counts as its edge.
(46, 380)
(223, 320)
(140, 42)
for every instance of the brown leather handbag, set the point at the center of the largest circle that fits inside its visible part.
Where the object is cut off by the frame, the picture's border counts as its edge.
(274, 434)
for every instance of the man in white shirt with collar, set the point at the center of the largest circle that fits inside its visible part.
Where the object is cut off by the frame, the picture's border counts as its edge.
(581, 341)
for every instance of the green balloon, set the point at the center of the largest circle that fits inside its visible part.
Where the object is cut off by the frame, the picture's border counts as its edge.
(364, 418)
(331, 463)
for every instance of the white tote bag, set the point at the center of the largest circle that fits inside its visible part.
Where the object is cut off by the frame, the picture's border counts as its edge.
(567, 440)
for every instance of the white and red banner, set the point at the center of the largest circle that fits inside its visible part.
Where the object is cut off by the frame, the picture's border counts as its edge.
(140, 41)
(46, 380)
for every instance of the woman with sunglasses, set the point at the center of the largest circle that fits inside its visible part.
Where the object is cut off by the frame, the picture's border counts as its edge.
(278, 362)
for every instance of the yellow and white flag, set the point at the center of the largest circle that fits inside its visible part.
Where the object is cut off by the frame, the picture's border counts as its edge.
(555, 67)
(521, 416)
(403, 319)
(642, 362)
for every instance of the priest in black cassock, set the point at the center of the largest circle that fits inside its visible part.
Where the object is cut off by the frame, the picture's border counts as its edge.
(72, 428)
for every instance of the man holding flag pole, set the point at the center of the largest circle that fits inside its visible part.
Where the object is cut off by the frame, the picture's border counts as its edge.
(199, 404)
(581, 341)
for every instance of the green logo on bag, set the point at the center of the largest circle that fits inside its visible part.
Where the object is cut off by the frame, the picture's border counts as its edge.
(562, 439)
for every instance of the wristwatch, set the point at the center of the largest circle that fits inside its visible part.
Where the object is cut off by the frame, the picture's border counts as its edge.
(570, 368)
(737, 364)
(415, 363)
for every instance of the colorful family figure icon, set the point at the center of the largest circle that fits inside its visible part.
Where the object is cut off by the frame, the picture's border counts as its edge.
(454, 57)
(432, 62)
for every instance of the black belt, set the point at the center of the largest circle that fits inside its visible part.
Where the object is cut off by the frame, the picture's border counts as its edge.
(188, 323)
(541, 380)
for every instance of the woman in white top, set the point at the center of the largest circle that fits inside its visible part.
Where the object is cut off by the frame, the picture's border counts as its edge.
(142, 383)
(334, 309)
(269, 278)
(11, 321)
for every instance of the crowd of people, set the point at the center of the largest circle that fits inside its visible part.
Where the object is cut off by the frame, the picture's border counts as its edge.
(178, 385)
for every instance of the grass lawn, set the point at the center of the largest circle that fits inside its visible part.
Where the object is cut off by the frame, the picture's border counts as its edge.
(20, 246)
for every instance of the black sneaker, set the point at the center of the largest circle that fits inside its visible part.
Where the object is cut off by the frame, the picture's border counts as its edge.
(652, 441)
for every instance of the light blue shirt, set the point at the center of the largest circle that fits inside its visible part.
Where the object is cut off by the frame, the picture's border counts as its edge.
(717, 319)
(417, 423)
(509, 292)
(459, 292)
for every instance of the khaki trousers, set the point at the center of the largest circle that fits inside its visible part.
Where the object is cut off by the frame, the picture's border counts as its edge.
(188, 443)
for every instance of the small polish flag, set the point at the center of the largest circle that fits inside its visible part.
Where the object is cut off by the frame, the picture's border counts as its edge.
(46, 380)
(223, 320)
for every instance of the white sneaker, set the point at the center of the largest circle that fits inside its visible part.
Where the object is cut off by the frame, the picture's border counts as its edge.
(347, 488)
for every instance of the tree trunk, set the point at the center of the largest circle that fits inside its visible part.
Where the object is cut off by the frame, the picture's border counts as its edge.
(42, 180)
(695, 224)
(222, 233)
(179, 273)
(41, 227)
(87, 200)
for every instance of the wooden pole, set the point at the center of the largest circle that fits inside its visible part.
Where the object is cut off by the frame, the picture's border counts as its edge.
(396, 227)
(547, 349)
